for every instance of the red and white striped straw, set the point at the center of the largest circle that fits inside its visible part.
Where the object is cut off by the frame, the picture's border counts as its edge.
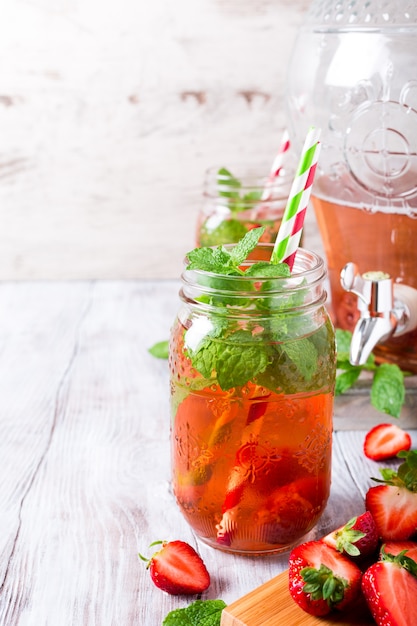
(289, 234)
(277, 165)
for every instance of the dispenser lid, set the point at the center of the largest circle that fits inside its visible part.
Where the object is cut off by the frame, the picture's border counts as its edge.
(368, 14)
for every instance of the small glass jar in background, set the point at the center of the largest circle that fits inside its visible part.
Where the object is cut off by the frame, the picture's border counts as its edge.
(237, 200)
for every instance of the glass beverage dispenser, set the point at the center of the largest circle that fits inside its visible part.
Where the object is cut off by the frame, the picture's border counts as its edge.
(353, 73)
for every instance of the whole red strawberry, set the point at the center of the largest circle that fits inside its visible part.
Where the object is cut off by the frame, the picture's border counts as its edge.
(177, 568)
(393, 504)
(358, 538)
(321, 579)
(390, 590)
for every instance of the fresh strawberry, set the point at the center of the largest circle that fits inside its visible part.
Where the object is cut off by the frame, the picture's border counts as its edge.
(390, 590)
(393, 504)
(357, 539)
(321, 579)
(385, 441)
(395, 547)
(177, 568)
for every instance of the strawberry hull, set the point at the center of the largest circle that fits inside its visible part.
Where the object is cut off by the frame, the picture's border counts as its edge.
(314, 568)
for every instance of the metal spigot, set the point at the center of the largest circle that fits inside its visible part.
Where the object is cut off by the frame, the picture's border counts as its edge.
(386, 309)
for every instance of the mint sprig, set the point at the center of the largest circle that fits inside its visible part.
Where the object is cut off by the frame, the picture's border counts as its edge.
(278, 355)
(387, 387)
(219, 260)
(200, 613)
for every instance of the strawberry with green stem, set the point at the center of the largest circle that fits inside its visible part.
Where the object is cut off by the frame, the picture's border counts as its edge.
(395, 547)
(393, 503)
(358, 538)
(322, 579)
(177, 568)
(390, 589)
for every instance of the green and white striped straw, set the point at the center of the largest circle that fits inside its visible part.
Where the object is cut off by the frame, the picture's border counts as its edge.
(289, 234)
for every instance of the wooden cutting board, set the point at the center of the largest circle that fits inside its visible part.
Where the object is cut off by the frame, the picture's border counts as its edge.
(271, 605)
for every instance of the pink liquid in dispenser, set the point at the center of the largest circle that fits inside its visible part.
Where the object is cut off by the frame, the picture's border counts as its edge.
(373, 240)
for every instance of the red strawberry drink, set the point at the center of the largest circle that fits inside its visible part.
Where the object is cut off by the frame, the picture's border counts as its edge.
(252, 361)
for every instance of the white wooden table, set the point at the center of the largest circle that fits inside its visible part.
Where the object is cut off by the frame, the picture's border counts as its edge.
(84, 458)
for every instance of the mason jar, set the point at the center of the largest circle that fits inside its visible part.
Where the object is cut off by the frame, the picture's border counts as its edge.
(252, 371)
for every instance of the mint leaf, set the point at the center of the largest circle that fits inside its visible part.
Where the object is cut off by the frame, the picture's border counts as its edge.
(304, 355)
(252, 196)
(249, 242)
(347, 379)
(221, 358)
(200, 613)
(387, 391)
(228, 231)
(226, 179)
(202, 259)
(221, 261)
(343, 340)
(264, 269)
(235, 371)
(160, 350)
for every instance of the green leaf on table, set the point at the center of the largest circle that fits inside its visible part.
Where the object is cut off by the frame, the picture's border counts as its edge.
(347, 379)
(387, 391)
(160, 350)
(200, 613)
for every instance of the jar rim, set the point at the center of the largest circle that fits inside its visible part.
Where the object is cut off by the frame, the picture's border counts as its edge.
(250, 178)
(307, 265)
(240, 292)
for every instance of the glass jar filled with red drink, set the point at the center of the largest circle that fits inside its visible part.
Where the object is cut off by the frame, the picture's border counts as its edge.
(252, 371)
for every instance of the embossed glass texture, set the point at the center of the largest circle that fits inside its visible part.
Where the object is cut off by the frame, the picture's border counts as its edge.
(353, 72)
(348, 13)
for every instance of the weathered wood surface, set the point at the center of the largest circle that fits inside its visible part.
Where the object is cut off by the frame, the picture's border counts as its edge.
(110, 112)
(85, 481)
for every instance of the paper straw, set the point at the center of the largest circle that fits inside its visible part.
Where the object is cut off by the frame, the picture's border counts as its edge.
(260, 211)
(289, 234)
(239, 478)
(277, 165)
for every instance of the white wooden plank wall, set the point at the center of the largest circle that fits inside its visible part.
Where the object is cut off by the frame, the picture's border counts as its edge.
(110, 111)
